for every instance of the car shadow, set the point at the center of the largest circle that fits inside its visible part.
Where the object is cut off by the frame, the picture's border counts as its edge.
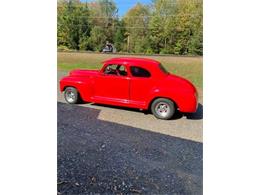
(101, 157)
(121, 108)
(198, 115)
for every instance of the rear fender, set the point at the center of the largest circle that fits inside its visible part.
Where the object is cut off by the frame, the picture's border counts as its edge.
(185, 101)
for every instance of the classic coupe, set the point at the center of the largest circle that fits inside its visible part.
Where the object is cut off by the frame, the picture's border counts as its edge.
(132, 82)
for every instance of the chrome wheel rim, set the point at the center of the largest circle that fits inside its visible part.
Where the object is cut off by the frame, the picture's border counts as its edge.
(70, 96)
(162, 109)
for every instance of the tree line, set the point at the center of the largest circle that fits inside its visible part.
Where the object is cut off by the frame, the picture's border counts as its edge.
(163, 27)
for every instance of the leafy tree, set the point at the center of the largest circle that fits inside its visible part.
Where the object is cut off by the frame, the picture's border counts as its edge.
(161, 24)
(119, 37)
(195, 44)
(97, 38)
(176, 27)
(73, 25)
(136, 21)
(187, 27)
(104, 14)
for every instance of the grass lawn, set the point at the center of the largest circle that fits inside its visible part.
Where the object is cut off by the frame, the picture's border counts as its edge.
(190, 68)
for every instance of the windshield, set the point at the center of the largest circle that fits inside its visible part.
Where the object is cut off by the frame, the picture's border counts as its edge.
(163, 69)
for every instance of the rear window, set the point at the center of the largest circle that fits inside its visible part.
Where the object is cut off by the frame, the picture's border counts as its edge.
(139, 72)
(163, 69)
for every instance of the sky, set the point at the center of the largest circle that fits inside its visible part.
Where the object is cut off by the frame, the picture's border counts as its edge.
(124, 5)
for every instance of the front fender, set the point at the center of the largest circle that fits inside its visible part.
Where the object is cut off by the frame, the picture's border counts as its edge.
(83, 85)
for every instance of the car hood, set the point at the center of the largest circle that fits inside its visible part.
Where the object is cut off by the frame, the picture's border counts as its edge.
(83, 72)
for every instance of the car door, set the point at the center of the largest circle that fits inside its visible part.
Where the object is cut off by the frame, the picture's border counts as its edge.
(140, 85)
(112, 85)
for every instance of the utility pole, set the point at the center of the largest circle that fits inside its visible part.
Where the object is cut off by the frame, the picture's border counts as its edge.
(128, 43)
(128, 40)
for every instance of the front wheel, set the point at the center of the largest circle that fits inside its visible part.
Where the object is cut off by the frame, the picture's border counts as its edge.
(163, 108)
(71, 95)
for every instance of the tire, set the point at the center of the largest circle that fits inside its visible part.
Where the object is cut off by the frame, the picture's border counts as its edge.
(163, 108)
(71, 95)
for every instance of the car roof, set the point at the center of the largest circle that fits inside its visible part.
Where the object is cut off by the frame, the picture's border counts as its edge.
(132, 60)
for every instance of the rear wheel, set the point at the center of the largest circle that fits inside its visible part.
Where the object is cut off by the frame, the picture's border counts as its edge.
(163, 108)
(71, 95)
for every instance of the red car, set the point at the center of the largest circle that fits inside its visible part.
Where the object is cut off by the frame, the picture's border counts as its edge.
(132, 82)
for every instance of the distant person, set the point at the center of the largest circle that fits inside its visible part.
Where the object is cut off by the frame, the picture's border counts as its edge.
(108, 48)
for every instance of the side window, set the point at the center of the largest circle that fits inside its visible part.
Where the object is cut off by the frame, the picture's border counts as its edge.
(139, 72)
(116, 69)
(122, 70)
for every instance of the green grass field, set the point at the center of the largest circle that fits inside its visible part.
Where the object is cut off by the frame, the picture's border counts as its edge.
(190, 68)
